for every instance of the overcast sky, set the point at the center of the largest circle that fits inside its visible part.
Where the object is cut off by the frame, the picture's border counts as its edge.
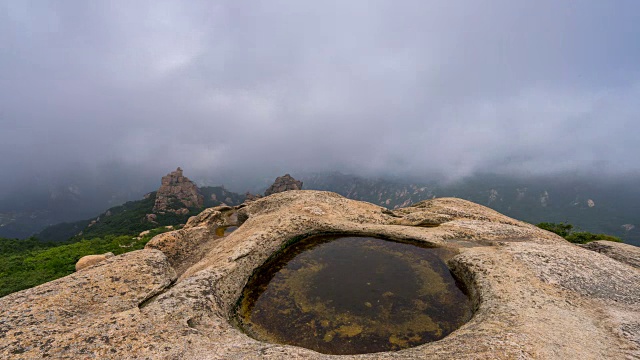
(266, 87)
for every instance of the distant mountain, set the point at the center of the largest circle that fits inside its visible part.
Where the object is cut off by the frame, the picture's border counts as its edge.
(134, 217)
(26, 213)
(391, 194)
(177, 199)
(611, 207)
(22, 214)
(173, 203)
(590, 204)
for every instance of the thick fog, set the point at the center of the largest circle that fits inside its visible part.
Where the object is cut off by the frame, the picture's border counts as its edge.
(233, 89)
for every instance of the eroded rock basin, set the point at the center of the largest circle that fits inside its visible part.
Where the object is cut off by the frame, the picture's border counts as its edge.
(535, 296)
(350, 295)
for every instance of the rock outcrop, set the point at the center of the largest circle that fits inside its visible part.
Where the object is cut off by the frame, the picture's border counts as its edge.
(283, 183)
(151, 218)
(177, 194)
(251, 197)
(535, 295)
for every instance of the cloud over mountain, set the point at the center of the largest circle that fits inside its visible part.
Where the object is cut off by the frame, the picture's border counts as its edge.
(379, 87)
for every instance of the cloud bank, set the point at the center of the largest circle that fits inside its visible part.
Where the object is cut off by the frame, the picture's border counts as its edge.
(231, 89)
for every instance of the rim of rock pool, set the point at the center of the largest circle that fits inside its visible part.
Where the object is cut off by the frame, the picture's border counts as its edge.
(401, 294)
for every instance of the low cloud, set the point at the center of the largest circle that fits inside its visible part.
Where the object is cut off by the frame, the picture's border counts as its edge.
(229, 90)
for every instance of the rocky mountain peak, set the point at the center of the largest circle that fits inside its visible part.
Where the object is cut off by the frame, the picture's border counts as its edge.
(177, 194)
(284, 183)
(174, 178)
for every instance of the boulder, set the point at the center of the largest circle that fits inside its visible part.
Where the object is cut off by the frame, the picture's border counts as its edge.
(90, 260)
(190, 244)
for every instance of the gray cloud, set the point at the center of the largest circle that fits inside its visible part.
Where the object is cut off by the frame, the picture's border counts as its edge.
(230, 89)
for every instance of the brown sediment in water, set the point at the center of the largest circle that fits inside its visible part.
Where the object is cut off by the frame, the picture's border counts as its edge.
(225, 230)
(349, 295)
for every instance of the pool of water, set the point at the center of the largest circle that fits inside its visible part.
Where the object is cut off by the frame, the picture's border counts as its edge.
(350, 295)
(225, 230)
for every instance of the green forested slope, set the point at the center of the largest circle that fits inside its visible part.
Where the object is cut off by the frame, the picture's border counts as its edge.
(30, 262)
(53, 252)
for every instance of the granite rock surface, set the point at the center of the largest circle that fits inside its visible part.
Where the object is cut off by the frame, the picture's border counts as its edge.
(535, 295)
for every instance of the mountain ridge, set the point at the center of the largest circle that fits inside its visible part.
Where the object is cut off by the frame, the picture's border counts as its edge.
(586, 203)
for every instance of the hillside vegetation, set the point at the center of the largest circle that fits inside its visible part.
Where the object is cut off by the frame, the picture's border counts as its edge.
(130, 218)
(30, 262)
(126, 219)
(576, 237)
(53, 252)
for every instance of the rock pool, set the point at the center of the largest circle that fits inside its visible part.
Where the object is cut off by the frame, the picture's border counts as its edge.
(351, 295)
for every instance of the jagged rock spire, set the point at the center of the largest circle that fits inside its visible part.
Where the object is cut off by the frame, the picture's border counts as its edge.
(177, 194)
(284, 183)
